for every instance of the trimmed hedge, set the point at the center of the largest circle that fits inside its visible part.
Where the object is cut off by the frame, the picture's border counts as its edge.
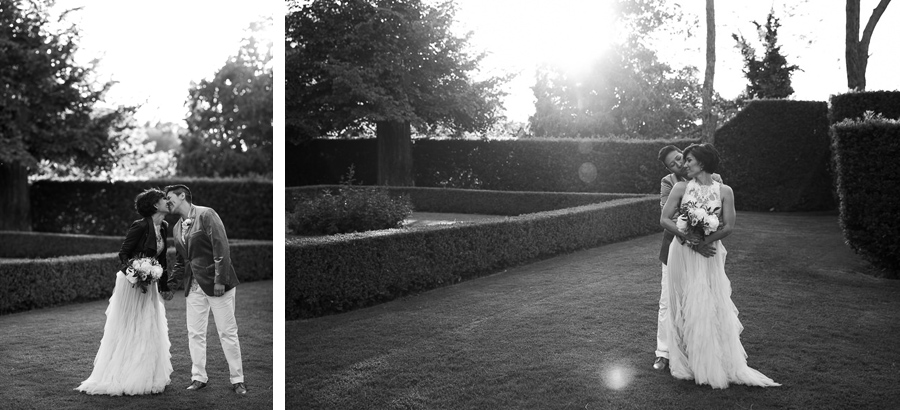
(868, 172)
(27, 284)
(467, 201)
(855, 104)
(15, 244)
(107, 208)
(776, 156)
(544, 165)
(333, 274)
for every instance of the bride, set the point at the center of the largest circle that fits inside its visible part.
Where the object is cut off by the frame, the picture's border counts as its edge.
(703, 326)
(134, 353)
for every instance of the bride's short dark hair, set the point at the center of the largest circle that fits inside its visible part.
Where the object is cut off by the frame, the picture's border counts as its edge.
(145, 202)
(706, 154)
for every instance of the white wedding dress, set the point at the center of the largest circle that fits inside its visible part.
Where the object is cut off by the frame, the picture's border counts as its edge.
(134, 353)
(703, 326)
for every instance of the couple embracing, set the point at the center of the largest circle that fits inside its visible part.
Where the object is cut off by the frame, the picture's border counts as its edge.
(698, 331)
(134, 357)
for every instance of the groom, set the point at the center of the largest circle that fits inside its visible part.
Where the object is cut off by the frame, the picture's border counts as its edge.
(202, 251)
(671, 158)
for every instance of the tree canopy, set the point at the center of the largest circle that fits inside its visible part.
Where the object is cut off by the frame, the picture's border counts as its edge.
(769, 76)
(47, 101)
(230, 122)
(628, 92)
(349, 63)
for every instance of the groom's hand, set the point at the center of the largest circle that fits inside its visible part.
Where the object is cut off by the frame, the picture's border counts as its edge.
(219, 290)
(705, 249)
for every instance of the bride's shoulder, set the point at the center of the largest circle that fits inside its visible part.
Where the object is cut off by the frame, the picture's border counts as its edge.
(726, 190)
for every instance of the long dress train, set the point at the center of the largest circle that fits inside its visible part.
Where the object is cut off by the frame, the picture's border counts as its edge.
(703, 326)
(134, 355)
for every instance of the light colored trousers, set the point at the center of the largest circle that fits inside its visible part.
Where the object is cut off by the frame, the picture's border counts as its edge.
(662, 347)
(198, 307)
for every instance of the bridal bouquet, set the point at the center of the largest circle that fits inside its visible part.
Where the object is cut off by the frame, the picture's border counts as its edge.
(143, 272)
(697, 219)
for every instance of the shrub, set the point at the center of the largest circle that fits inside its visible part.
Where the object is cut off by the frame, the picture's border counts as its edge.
(855, 104)
(338, 273)
(352, 209)
(867, 169)
(776, 155)
(107, 208)
(37, 283)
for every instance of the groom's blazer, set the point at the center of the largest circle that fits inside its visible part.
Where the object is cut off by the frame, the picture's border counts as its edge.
(202, 253)
(665, 189)
(141, 239)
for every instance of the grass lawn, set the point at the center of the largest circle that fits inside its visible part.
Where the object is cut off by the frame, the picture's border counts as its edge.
(578, 331)
(46, 353)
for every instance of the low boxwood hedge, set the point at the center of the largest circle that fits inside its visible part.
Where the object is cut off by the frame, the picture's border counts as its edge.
(468, 201)
(37, 283)
(14, 244)
(338, 273)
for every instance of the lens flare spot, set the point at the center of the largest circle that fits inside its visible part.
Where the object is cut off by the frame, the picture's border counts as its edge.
(617, 377)
(587, 172)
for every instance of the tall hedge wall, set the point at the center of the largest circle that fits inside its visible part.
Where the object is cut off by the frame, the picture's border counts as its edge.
(776, 156)
(854, 105)
(867, 165)
(554, 165)
(107, 208)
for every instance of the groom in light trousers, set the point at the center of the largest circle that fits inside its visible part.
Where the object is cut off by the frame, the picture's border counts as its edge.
(673, 160)
(202, 252)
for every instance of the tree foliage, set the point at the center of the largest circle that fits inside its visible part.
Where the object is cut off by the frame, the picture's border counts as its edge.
(47, 101)
(769, 76)
(627, 92)
(230, 122)
(349, 63)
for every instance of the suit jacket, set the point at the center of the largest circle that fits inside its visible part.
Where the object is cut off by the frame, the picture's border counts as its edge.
(202, 253)
(665, 189)
(141, 239)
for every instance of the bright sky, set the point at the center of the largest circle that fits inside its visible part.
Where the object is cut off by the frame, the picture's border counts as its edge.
(520, 34)
(154, 49)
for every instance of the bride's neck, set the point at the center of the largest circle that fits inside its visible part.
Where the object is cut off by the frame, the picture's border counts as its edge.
(704, 178)
(157, 218)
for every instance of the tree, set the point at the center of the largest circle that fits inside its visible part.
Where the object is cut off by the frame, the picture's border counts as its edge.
(46, 106)
(770, 77)
(709, 118)
(394, 63)
(627, 92)
(857, 50)
(230, 121)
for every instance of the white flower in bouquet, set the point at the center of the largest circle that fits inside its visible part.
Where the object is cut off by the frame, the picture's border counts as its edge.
(697, 215)
(712, 223)
(156, 271)
(131, 275)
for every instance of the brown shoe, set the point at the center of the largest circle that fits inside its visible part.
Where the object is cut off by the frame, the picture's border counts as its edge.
(196, 385)
(239, 388)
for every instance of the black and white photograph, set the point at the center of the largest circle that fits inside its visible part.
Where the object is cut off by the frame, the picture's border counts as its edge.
(611, 204)
(136, 204)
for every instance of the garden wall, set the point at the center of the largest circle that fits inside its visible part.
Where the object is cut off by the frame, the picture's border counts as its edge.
(107, 208)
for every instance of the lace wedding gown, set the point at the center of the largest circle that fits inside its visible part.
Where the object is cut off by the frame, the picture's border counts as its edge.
(134, 353)
(703, 326)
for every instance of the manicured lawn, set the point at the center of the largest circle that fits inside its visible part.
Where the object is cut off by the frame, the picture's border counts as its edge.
(46, 353)
(578, 331)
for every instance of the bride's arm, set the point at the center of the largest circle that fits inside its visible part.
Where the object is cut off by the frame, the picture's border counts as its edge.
(135, 233)
(728, 216)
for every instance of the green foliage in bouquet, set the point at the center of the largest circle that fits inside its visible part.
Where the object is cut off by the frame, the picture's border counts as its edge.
(352, 209)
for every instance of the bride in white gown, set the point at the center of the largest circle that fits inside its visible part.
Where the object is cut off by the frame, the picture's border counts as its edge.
(703, 326)
(134, 353)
